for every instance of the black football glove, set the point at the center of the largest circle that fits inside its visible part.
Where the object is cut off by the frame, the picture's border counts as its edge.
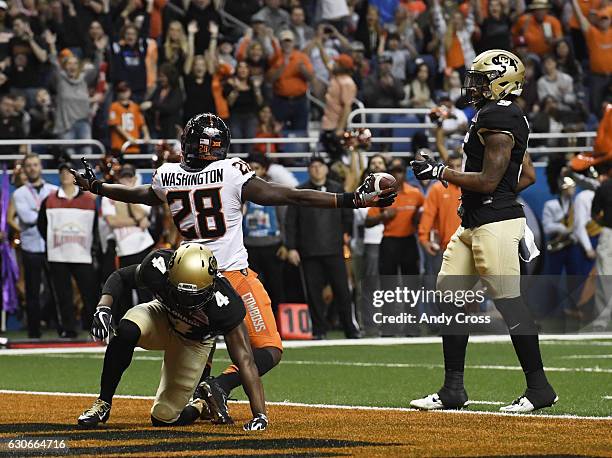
(366, 196)
(102, 327)
(87, 181)
(427, 168)
(258, 423)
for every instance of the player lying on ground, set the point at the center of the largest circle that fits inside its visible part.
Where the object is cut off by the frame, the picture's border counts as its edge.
(205, 193)
(486, 245)
(193, 305)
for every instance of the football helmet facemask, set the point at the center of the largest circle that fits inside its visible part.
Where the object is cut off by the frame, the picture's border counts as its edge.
(206, 138)
(191, 276)
(494, 75)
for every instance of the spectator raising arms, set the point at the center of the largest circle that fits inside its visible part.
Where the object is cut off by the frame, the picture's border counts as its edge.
(338, 104)
(199, 71)
(27, 54)
(290, 75)
(539, 28)
(203, 12)
(456, 52)
(133, 59)
(163, 108)
(599, 44)
(174, 50)
(72, 85)
(244, 98)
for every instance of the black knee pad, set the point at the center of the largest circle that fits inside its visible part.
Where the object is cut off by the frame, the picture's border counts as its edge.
(127, 332)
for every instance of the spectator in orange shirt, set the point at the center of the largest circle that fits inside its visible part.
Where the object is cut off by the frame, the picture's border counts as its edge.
(398, 248)
(290, 74)
(579, 44)
(439, 220)
(125, 120)
(540, 29)
(599, 44)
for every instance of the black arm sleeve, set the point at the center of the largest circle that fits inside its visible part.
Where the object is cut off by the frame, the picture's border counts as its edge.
(119, 281)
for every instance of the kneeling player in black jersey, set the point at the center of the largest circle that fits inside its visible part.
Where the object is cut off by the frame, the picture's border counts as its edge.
(486, 245)
(193, 305)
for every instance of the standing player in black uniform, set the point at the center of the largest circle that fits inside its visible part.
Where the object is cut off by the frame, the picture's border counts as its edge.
(486, 245)
(193, 304)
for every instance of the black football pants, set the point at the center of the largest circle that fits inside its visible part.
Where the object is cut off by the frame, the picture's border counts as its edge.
(269, 268)
(86, 280)
(398, 253)
(318, 272)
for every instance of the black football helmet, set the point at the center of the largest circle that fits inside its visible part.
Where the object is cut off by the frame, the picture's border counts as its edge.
(206, 138)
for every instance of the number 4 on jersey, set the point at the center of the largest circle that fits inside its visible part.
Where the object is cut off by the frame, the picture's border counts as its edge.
(221, 298)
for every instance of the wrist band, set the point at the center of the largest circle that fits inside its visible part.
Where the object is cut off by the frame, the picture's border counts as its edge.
(345, 200)
(96, 187)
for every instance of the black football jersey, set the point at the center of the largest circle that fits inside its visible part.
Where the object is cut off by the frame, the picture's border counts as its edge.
(497, 116)
(221, 314)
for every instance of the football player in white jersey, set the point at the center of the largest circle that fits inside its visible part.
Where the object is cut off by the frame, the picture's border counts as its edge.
(205, 193)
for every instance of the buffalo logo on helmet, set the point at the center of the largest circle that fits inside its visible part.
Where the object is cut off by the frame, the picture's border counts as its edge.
(212, 266)
(505, 61)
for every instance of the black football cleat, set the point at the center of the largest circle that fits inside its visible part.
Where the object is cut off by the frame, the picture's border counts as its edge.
(99, 412)
(216, 399)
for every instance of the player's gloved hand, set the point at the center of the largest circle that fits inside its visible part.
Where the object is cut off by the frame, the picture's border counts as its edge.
(87, 181)
(258, 423)
(101, 327)
(426, 168)
(366, 196)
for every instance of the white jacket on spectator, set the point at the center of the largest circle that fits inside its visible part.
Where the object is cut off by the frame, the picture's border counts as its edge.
(130, 239)
(552, 217)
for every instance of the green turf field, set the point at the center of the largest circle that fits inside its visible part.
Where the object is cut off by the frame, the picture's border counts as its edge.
(581, 373)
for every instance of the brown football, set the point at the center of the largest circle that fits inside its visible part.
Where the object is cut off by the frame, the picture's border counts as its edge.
(384, 181)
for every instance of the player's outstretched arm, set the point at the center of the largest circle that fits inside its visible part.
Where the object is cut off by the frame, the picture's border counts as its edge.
(498, 147)
(264, 193)
(240, 352)
(133, 195)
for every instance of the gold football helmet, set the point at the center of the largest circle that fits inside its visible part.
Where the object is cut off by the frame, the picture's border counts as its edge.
(191, 276)
(495, 74)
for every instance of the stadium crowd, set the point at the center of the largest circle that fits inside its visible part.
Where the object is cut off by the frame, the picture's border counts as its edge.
(127, 70)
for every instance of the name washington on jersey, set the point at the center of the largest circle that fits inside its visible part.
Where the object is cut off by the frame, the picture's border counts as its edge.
(179, 179)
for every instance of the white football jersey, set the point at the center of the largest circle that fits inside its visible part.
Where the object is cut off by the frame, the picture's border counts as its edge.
(206, 206)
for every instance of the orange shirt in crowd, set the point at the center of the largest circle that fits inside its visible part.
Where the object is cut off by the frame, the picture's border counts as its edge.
(454, 54)
(407, 203)
(156, 21)
(599, 44)
(130, 119)
(440, 213)
(291, 83)
(603, 141)
(586, 6)
(223, 71)
(534, 32)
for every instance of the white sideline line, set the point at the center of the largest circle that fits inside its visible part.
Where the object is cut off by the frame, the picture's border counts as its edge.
(564, 339)
(607, 397)
(363, 364)
(333, 406)
(586, 357)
